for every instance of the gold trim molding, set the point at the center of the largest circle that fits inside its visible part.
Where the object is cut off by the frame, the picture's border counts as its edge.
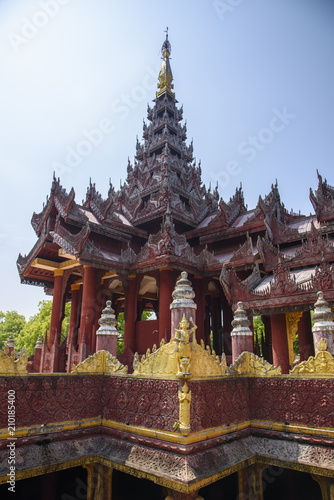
(101, 362)
(251, 365)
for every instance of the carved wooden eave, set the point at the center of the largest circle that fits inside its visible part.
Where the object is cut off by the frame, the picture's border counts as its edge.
(323, 200)
(283, 293)
(251, 365)
(70, 243)
(23, 262)
(15, 364)
(322, 365)
(244, 256)
(282, 233)
(312, 250)
(102, 362)
(237, 290)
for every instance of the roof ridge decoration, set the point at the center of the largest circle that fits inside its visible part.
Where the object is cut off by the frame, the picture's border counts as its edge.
(251, 365)
(15, 364)
(320, 364)
(323, 200)
(95, 202)
(228, 212)
(167, 243)
(58, 198)
(181, 358)
(102, 362)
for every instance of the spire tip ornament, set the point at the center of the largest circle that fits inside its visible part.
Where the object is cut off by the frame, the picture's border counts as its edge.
(165, 76)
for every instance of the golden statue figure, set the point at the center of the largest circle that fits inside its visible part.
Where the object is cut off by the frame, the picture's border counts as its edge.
(182, 336)
(184, 410)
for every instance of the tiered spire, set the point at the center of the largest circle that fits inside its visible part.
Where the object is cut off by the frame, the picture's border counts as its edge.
(164, 171)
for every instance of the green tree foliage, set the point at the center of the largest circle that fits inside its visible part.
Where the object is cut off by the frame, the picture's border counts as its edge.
(258, 331)
(10, 323)
(38, 325)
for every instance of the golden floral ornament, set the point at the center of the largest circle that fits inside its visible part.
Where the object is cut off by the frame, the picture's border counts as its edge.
(100, 362)
(321, 364)
(252, 365)
(15, 364)
(180, 358)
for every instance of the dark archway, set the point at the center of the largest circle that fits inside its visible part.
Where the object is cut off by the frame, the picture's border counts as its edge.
(289, 484)
(224, 489)
(69, 484)
(125, 486)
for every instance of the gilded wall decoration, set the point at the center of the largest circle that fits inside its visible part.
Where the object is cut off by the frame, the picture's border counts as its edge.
(321, 364)
(100, 362)
(181, 358)
(15, 364)
(251, 365)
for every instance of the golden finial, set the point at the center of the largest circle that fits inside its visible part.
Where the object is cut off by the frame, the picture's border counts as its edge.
(165, 75)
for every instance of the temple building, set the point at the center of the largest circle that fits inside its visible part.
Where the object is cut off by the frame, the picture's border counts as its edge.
(195, 407)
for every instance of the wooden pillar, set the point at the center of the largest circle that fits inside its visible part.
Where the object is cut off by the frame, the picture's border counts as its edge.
(88, 305)
(200, 312)
(280, 342)
(207, 325)
(57, 308)
(165, 300)
(305, 336)
(100, 302)
(99, 482)
(250, 483)
(130, 313)
(227, 326)
(217, 325)
(74, 316)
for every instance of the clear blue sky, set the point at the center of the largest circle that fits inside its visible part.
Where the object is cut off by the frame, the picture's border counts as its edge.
(238, 66)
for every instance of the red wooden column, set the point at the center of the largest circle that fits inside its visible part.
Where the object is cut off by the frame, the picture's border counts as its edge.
(217, 325)
(305, 336)
(165, 300)
(88, 305)
(100, 303)
(74, 316)
(57, 308)
(207, 325)
(227, 326)
(200, 302)
(130, 313)
(280, 341)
